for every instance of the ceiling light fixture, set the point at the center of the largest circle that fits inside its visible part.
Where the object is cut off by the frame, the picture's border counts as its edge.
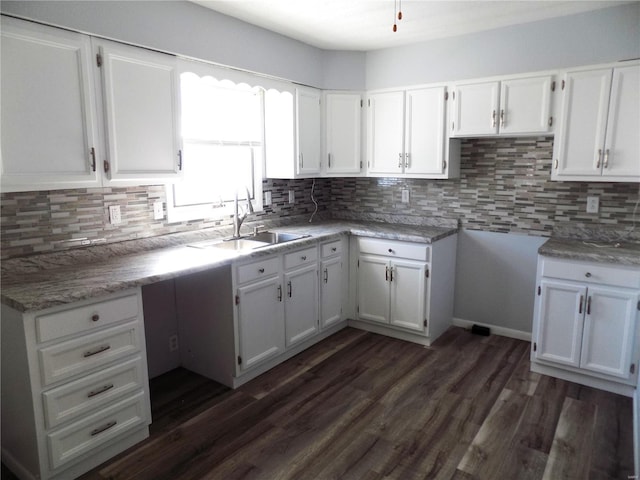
(397, 13)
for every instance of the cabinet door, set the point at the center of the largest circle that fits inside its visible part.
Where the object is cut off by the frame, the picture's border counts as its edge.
(621, 146)
(141, 105)
(408, 294)
(585, 102)
(524, 105)
(301, 304)
(475, 109)
(279, 134)
(308, 118)
(559, 332)
(331, 291)
(424, 141)
(260, 322)
(608, 330)
(373, 288)
(386, 127)
(48, 119)
(343, 132)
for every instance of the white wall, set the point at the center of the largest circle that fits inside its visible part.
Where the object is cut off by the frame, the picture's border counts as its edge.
(601, 36)
(191, 30)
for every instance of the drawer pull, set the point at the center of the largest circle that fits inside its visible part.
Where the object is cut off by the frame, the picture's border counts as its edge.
(303, 257)
(103, 428)
(102, 389)
(95, 317)
(588, 274)
(261, 270)
(98, 350)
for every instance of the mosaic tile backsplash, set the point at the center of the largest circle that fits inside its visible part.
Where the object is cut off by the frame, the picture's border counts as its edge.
(504, 186)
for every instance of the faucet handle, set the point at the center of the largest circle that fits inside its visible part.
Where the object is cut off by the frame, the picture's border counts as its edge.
(256, 229)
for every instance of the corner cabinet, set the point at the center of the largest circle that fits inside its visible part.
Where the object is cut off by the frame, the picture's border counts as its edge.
(406, 134)
(600, 120)
(75, 390)
(342, 134)
(585, 325)
(517, 106)
(102, 114)
(405, 289)
(292, 133)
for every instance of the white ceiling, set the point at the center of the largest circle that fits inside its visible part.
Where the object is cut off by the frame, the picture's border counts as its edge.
(367, 24)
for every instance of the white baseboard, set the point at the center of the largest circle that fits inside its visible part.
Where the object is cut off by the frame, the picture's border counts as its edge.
(496, 330)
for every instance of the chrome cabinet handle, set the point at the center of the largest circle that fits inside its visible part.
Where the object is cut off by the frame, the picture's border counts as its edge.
(91, 353)
(279, 293)
(599, 157)
(493, 118)
(391, 274)
(580, 306)
(400, 160)
(326, 275)
(95, 317)
(103, 389)
(261, 270)
(329, 159)
(333, 249)
(303, 258)
(589, 305)
(502, 118)
(289, 289)
(101, 429)
(406, 160)
(588, 274)
(606, 158)
(301, 160)
(386, 274)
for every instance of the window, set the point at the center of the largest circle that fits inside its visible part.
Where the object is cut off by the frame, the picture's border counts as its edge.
(222, 135)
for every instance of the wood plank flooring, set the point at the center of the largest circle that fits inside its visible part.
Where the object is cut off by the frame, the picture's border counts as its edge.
(364, 406)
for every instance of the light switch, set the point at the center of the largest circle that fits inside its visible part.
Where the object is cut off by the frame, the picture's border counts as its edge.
(405, 195)
(292, 196)
(267, 198)
(593, 204)
(114, 214)
(158, 212)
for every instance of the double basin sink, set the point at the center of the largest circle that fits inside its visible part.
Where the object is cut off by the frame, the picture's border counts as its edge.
(259, 240)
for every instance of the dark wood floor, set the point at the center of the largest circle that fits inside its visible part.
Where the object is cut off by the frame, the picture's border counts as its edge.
(364, 406)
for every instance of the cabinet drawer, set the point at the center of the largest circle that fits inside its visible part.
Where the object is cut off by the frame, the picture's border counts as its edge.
(300, 257)
(392, 248)
(66, 359)
(84, 435)
(591, 272)
(257, 270)
(330, 249)
(81, 319)
(81, 396)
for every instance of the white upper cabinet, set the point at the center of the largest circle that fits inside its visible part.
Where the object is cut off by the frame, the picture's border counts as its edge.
(517, 106)
(600, 120)
(343, 137)
(406, 134)
(49, 134)
(292, 133)
(141, 112)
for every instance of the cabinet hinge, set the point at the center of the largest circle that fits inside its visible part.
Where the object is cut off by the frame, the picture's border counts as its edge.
(368, 102)
(453, 95)
(453, 124)
(562, 84)
(239, 360)
(535, 347)
(539, 290)
(360, 165)
(426, 273)
(444, 165)
(446, 96)
(180, 160)
(632, 368)
(551, 121)
(105, 164)
(99, 60)
(361, 103)
(93, 159)
(237, 299)
(553, 86)
(369, 164)
(358, 263)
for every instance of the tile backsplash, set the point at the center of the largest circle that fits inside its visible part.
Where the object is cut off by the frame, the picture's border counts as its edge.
(504, 186)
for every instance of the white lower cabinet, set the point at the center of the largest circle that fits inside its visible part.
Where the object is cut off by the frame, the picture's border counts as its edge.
(74, 385)
(585, 323)
(301, 298)
(333, 282)
(405, 289)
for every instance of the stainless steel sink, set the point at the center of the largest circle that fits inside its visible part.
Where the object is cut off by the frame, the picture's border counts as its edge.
(262, 239)
(276, 237)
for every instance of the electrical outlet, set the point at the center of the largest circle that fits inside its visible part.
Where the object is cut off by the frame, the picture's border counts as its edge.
(593, 204)
(173, 343)
(158, 212)
(267, 198)
(292, 196)
(114, 214)
(405, 195)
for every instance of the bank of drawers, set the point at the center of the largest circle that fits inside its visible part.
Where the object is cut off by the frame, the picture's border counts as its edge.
(93, 375)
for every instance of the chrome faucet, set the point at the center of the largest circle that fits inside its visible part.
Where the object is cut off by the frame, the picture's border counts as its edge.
(237, 219)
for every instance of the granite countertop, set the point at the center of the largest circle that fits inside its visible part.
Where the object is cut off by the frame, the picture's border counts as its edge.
(41, 281)
(619, 253)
